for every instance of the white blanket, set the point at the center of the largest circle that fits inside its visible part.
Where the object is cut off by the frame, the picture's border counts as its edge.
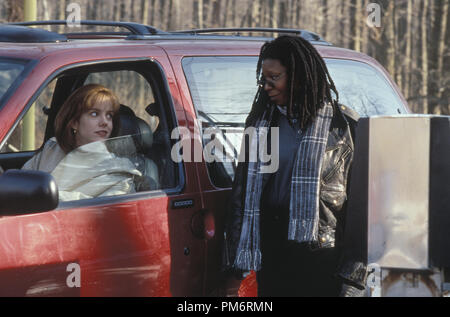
(86, 172)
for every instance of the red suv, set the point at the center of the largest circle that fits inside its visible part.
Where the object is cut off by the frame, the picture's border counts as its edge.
(180, 91)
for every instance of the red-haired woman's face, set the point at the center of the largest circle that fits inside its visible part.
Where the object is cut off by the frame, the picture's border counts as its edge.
(274, 81)
(95, 124)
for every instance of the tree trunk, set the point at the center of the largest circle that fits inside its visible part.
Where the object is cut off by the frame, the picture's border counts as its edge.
(294, 19)
(282, 14)
(233, 13)
(45, 10)
(162, 15)
(390, 58)
(335, 22)
(152, 12)
(440, 58)
(274, 14)
(263, 14)
(408, 66)
(322, 13)
(200, 13)
(62, 14)
(216, 12)
(364, 29)
(144, 13)
(15, 11)
(116, 10)
(397, 51)
(424, 57)
(415, 89)
(247, 13)
(255, 17)
(347, 26)
(225, 13)
(122, 10)
(357, 28)
(289, 12)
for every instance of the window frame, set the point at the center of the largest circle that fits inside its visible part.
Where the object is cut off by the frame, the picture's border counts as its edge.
(156, 78)
(216, 184)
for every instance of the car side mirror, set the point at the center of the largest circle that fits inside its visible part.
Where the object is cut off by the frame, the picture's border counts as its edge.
(25, 192)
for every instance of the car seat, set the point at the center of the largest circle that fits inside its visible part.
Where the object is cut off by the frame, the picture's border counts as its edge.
(142, 135)
(161, 147)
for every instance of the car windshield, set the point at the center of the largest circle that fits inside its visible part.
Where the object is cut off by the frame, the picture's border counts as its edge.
(223, 89)
(10, 69)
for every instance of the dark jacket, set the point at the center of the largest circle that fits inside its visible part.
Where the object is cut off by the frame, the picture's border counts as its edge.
(333, 190)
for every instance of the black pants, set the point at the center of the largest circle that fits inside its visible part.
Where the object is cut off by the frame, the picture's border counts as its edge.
(292, 269)
(298, 271)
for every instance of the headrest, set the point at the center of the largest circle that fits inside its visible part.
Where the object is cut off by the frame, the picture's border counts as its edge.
(130, 124)
(152, 111)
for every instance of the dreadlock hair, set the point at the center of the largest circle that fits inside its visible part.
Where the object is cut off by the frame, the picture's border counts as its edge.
(309, 85)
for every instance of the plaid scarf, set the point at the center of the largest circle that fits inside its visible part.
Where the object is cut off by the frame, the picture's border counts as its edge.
(305, 185)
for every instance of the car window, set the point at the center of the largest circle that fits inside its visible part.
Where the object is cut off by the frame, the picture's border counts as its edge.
(28, 135)
(9, 72)
(363, 88)
(144, 114)
(130, 87)
(142, 147)
(137, 94)
(222, 83)
(223, 89)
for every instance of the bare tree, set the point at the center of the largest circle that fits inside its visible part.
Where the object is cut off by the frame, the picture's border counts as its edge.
(357, 25)
(274, 14)
(14, 10)
(144, 11)
(424, 56)
(391, 49)
(412, 42)
(225, 13)
(198, 11)
(440, 59)
(216, 12)
(254, 19)
(407, 61)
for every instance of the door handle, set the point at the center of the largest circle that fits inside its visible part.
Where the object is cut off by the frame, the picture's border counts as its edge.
(203, 225)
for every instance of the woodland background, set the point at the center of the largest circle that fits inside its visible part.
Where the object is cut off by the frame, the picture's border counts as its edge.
(411, 42)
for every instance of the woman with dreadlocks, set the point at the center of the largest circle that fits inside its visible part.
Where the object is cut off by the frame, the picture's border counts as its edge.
(288, 225)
